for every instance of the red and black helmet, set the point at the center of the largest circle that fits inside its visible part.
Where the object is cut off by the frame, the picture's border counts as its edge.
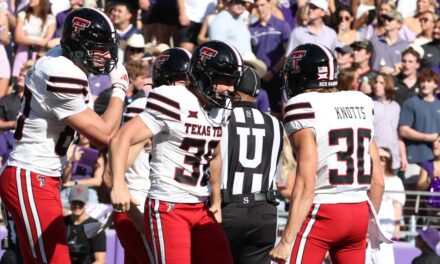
(212, 61)
(309, 66)
(85, 31)
(170, 65)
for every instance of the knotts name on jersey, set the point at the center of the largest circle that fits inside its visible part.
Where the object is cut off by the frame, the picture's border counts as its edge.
(201, 130)
(350, 112)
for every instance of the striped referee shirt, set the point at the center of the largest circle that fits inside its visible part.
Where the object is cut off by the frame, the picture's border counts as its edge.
(251, 147)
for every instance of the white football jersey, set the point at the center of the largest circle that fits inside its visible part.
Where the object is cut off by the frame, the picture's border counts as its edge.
(343, 127)
(185, 137)
(55, 89)
(137, 176)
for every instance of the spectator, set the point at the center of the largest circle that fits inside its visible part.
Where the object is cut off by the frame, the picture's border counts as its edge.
(386, 120)
(406, 82)
(388, 48)
(122, 15)
(419, 123)
(413, 22)
(346, 34)
(429, 177)
(344, 57)
(203, 33)
(5, 68)
(315, 31)
(35, 27)
(363, 52)
(85, 166)
(12, 253)
(61, 16)
(82, 249)
(360, 7)
(191, 15)
(9, 106)
(162, 21)
(390, 212)
(427, 241)
(135, 49)
(269, 43)
(432, 49)
(377, 28)
(427, 21)
(228, 27)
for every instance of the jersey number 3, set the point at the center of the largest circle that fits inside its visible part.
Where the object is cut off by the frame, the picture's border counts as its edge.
(346, 156)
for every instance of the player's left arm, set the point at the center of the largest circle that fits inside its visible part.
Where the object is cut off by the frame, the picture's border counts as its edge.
(215, 169)
(306, 151)
(377, 182)
(131, 133)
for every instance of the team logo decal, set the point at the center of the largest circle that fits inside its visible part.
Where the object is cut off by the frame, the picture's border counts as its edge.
(207, 53)
(41, 179)
(161, 59)
(295, 57)
(192, 114)
(78, 24)
(322, 72)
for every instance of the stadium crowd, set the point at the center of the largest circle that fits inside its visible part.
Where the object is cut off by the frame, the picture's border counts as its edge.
(387, 49)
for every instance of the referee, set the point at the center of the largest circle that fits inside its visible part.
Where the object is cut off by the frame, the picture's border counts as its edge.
(250, 148)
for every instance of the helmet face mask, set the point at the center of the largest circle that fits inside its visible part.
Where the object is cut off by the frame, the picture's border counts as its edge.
(214, 63)
(89, 39)
(309, 67)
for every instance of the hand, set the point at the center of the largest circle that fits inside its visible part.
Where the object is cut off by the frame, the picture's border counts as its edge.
(121, 198)
(386, 70)
(183, 20)
(119, 77)
(403, 164)
(68, 184)
(216, 210)
(281, 252)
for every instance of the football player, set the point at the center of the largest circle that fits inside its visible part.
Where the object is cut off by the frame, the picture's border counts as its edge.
(54, 105)
(185, 124)
(338, 169)
(169, 68)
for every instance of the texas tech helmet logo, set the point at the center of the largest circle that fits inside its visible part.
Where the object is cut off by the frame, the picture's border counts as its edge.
(78, 24)
(207, 53)
(161, 59)
(295, 57)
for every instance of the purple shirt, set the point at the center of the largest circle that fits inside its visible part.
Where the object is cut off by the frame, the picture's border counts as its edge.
(267, 41)
(61, 16)
(390, 54)
(263, 101)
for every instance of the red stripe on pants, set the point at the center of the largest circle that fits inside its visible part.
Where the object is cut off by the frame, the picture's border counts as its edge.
(44, 191)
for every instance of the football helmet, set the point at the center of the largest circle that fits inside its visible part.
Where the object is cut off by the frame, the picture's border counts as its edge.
(211, 61)
(170, 65)
(309, 66)
(87, 31)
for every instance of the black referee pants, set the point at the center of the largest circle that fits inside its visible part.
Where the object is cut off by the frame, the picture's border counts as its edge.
(251, 231)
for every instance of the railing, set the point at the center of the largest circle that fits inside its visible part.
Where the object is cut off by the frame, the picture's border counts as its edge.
(416, 214)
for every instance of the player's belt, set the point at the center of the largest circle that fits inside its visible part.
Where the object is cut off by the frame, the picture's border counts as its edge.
(249, 198)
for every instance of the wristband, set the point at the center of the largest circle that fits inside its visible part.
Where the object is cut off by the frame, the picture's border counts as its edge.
(119, 93)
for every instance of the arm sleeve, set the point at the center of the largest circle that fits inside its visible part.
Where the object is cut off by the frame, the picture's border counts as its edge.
(406, 115)
(66, 93)
(98, 243)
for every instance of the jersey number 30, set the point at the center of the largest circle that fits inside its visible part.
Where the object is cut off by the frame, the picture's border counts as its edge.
(349, 155)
